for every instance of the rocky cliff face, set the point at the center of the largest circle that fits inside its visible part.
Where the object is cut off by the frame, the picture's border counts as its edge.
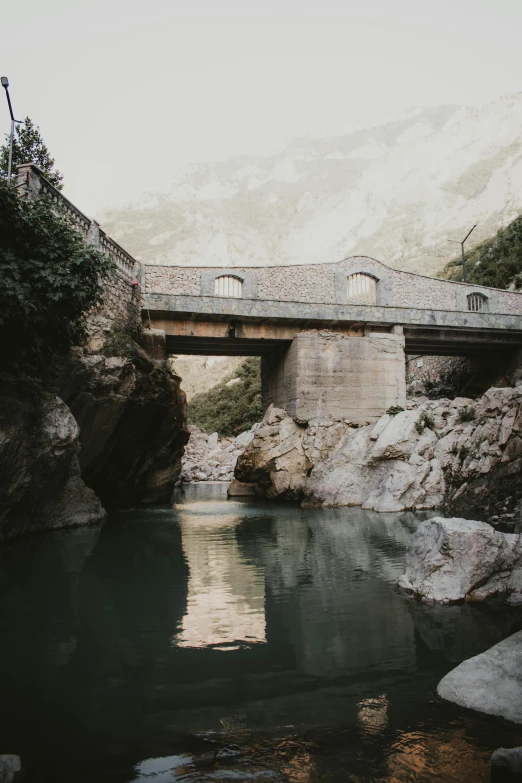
(41, 485)
(462, 454)
(131, 414)
(113, 436)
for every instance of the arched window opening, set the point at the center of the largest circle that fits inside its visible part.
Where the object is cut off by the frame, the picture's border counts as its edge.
(227, 285)
(362, 289)
(477, 303)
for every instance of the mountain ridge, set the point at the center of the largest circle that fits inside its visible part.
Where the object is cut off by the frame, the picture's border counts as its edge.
(396, 191)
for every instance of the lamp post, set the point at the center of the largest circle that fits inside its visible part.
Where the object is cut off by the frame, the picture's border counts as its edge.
(464, 276)
(5, 85)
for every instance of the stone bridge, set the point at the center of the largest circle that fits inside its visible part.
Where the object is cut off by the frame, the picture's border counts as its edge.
(332, 337)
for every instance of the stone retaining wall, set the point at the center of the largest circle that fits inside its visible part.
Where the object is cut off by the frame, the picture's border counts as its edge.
(120, 309)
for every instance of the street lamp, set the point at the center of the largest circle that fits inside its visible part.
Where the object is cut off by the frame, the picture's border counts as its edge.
(464, 276)
(5, 85)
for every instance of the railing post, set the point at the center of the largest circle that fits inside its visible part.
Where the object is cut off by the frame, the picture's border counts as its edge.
(93, 233)
(28, 181)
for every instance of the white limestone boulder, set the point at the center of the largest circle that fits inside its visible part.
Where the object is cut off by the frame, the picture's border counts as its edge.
(10, 768)
(450, 560)
(490, 682)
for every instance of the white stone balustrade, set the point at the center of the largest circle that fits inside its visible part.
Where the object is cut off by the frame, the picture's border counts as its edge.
(33, 184)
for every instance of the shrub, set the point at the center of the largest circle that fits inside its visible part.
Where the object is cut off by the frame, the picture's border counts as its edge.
(230, 410)
(467, 413)
(50, 278)
(463, 453)
(424, 420)
(394, 410)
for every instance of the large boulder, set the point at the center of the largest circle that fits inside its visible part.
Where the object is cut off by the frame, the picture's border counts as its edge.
(450, 560)
(509, 759)
(490, 682)
(41, 487)
(10, 768)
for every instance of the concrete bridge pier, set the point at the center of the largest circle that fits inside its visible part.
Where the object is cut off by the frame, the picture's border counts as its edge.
(353, 373)
(331, 373)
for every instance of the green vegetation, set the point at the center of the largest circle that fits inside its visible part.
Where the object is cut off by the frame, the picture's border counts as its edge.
(497, 262)
(394, 410)
(118, 341)
(28, 147)
(424, 420)
(463, 453)
(467, 413)
(50, 278)
(232, 409)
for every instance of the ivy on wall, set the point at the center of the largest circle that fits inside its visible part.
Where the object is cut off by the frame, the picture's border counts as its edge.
(49, 278)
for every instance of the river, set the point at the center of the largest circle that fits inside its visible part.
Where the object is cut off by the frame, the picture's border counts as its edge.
(225, 640)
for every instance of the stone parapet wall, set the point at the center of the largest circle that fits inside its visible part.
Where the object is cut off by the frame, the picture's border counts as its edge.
(326, 284)
(119, 310)
(33, 184)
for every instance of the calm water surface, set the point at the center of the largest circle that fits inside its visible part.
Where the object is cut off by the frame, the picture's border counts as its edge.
(235, 641)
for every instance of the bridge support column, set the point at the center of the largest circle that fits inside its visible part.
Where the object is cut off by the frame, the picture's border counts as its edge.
(327, 373)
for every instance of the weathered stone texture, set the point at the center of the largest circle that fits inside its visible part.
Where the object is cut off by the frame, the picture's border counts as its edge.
(325, 373)
(326, 284)
(120, 310)
(131, 414)
(490, 682)
(41, 486)
(207, 458)
(175, 280)
(462, 454)
(451, 560)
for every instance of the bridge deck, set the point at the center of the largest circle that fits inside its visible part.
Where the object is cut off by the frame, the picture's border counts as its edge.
(266, 325)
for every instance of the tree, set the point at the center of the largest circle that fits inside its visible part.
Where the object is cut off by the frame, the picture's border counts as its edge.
(50, 279)
(28, 147)
(230, 409)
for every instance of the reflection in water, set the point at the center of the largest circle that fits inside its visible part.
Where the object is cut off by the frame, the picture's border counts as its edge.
(234, 641)
(226, 594)
(330, 588)
(372, 714)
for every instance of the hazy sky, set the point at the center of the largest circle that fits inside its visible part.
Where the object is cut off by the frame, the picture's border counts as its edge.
(126, 91)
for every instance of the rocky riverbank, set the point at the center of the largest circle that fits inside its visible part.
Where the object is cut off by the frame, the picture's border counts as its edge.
(461, 454)
(209, 458)
(41, 487)
(103, 426)
(99, 432)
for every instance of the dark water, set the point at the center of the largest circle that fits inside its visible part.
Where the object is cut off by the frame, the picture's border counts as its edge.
(272, 636)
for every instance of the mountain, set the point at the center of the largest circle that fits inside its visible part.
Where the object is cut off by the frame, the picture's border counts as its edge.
(396, 191)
